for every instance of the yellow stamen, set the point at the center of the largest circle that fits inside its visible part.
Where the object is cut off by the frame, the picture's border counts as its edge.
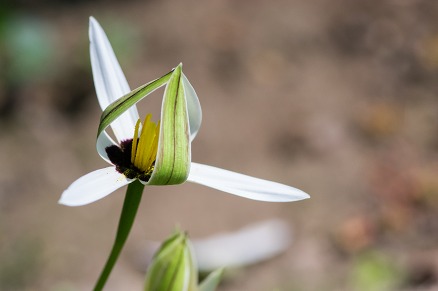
(154, 149)
(145, 147)
(134, 141)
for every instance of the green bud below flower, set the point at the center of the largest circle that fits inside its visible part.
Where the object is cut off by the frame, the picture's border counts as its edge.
(173, 267)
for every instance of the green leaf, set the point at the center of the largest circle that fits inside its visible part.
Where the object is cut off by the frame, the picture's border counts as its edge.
(173, 157)
(212, 281)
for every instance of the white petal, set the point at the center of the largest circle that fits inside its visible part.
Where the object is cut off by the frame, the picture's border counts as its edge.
(249, 245)
(193, 108)
(243, 185)
(93, 186)
(104, 141)
(109, 80)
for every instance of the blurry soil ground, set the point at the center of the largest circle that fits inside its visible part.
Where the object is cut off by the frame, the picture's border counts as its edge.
(338, 98)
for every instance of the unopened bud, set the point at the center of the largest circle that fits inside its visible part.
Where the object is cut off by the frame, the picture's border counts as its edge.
(173, 267)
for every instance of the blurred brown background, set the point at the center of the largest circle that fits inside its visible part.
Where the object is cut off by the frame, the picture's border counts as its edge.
(336, 97)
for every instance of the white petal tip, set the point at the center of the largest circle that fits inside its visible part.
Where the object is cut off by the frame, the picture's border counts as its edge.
(298, 195)
(93, 21)
(65, 202)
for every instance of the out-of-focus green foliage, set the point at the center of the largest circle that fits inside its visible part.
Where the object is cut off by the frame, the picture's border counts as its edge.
(27, 48)
(374, 272)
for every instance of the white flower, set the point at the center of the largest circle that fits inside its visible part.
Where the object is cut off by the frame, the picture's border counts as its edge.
(155, 154)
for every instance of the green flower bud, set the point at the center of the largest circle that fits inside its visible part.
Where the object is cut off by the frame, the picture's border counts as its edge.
(173, 267)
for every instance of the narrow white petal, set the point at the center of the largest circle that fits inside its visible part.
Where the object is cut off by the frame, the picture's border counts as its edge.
(243, 185)
(93, 186)
(104, 141)
(109, 80)
(193, 108)
(249, 245)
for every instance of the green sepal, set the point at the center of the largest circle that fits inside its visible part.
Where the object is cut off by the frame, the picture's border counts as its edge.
(212, 281)
(172, 267)
(118, 107)
(172, 164)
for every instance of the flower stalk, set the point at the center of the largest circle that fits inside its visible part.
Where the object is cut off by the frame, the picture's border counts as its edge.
(130, 206)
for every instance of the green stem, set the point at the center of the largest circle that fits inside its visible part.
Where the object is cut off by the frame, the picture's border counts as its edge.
(130, 207)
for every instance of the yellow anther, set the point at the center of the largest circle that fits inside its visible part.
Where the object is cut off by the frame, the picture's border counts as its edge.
(135, 141)
(144, 147)
(154, 148)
